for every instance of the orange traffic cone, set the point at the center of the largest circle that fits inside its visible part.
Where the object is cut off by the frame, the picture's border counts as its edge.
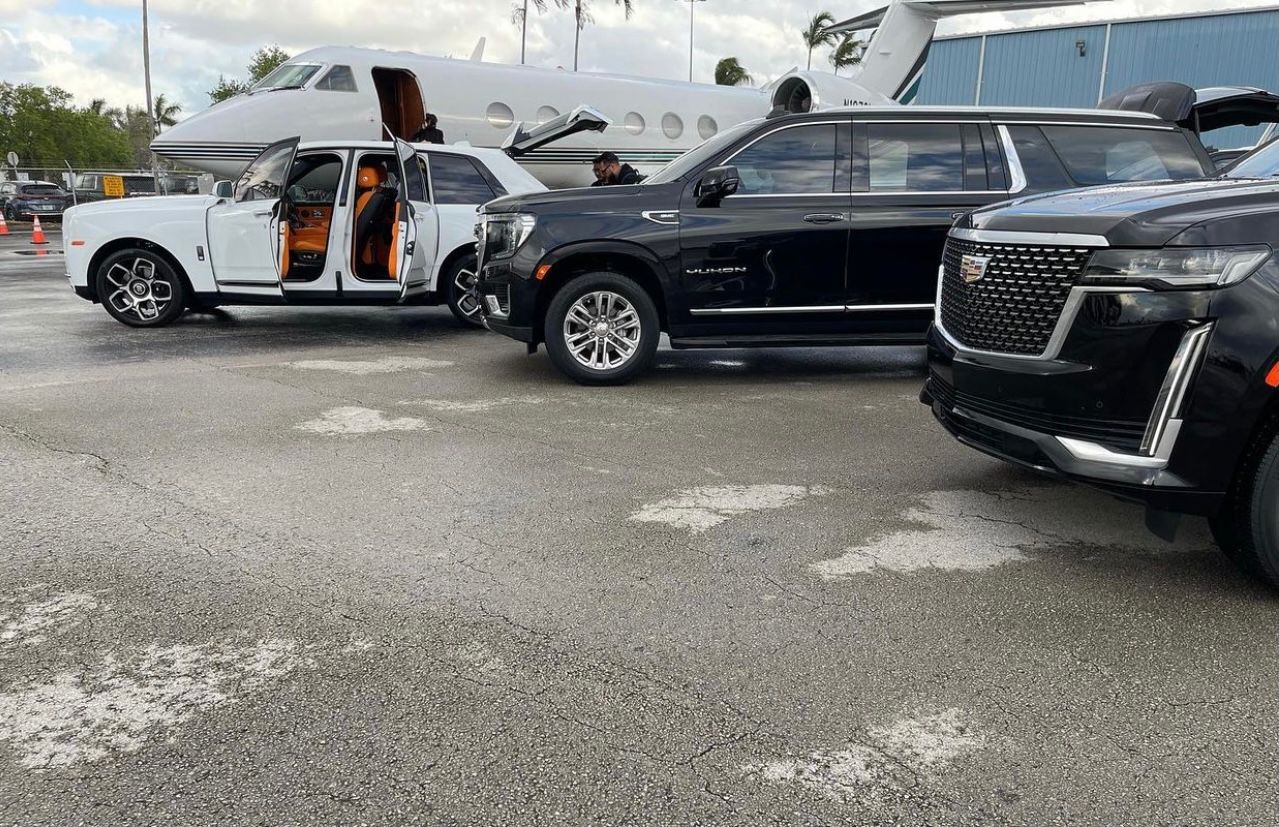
(37, 233)
(4, 228)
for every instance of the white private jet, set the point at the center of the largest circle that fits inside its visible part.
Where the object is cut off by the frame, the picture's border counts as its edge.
(344, 93)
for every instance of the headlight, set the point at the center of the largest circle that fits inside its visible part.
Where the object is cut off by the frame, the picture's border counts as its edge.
(505, 233)
(1178, 267)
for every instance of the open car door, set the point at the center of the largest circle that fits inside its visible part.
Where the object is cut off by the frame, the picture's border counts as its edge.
(248, 234)
(522, 141)
(408, 257)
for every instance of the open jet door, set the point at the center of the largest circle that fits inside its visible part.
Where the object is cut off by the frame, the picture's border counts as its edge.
(522, 141)
(1200, 110)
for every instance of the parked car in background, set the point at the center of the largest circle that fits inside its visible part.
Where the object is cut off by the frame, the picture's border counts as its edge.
(96, 186)
(23, 200)
(322, 223)
(816, 229)
(1125, 337)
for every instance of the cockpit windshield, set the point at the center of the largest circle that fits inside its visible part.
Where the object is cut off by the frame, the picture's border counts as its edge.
(287, 76)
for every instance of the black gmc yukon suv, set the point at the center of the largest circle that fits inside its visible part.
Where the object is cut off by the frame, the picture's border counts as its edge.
(1127, 337)
(815, 229)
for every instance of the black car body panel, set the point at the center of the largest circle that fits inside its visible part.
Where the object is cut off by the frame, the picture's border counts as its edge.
(837, 246)
(1089, 406)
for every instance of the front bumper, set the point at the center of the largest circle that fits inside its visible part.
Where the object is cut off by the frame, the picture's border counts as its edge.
(508, 300)
(1017, 412)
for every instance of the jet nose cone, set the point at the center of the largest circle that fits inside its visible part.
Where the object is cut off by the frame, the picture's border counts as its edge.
(212, 140)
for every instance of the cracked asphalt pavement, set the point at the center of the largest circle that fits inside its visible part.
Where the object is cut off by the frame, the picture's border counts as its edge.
(360, 566)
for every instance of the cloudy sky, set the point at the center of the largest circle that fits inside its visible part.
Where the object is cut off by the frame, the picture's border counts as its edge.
(92, 47)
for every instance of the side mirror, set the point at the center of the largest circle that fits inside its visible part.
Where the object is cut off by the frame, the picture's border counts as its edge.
(224, 189)
(716, 185)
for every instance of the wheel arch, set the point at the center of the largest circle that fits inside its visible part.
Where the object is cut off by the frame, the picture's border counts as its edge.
(115, 245)
(624, 258)
(448, 261)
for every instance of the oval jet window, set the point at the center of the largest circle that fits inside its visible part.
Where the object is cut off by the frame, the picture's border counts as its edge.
(672, 125)
(499, 115)
(547, 113)
(634, 123)
(706, 126)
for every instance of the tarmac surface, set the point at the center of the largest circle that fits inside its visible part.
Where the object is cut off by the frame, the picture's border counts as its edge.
(361, 566)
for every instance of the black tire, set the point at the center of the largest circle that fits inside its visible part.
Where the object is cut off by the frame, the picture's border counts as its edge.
(132, 284)
(1247, 529)
(636, 317)
(459, 290)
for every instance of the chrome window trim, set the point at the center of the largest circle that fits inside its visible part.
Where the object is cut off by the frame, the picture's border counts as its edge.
(933, 193)
(1159, 127)
(1032, 239)
(1172, 394)
(1016, 174)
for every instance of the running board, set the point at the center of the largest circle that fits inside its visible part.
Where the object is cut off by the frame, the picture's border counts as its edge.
(810, 340)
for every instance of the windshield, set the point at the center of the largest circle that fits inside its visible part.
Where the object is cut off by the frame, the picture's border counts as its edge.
(1261, 163)
(39, 190)
(699, 154)
(287, 76)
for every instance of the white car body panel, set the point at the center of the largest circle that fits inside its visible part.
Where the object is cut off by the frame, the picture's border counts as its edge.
(243, 250)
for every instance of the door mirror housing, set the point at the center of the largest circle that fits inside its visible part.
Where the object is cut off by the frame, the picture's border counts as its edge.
(224, 189)
(716, 185)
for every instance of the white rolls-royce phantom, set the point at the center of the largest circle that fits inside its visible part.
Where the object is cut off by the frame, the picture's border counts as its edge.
(315, 223)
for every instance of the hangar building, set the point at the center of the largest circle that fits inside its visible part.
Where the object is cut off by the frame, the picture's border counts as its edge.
(1078, 65)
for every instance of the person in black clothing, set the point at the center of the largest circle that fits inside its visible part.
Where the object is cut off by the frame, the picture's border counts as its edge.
(610, 171)
(429, 133)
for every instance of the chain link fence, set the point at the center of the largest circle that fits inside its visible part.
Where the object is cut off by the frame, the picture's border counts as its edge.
(98, 183)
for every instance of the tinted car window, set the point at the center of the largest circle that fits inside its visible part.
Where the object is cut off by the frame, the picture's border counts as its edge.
(314, 179)
(457, 181)
(910, 157)
(796, 160)
(414, 180)
(42, 191)
(139, 184)
(1038, 160)
(699, 154)
(264, 177)
(1111, 155)
(1261, 163)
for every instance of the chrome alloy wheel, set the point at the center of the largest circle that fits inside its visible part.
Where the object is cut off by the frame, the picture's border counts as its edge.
(468, 300)
(602, 330)
(137, 290)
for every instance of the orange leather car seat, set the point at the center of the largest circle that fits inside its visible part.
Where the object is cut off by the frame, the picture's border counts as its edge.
(312, 233)
(368, 181)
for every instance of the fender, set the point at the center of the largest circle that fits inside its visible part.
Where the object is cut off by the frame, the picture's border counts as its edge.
(618, 247)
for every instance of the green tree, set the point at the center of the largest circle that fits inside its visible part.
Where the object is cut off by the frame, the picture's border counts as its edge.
(264, 61)
(166, 113)
(45, 129)
(816, 35)
(847, 53)
(728, 72)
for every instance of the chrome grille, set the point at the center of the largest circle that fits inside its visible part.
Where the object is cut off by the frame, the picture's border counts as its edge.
(1015, 306)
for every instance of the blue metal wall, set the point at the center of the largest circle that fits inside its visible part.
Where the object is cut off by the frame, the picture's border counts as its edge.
(1045, 68)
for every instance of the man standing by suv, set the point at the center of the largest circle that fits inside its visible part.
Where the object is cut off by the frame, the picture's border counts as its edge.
(609, 171)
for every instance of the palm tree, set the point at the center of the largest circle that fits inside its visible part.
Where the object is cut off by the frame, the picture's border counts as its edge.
(166, 114)
(848, 53)
(728, 72)
(98, 106)
(519, 16)
(582, 13)
(816, 35)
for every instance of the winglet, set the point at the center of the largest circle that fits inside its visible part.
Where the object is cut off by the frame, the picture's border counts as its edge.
(477, 56)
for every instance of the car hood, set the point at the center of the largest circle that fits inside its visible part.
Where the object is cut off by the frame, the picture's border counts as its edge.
(1131, 214)
(155, 203)
(589, 199)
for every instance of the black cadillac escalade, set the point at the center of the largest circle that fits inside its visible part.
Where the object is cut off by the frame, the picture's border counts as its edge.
(813, 229)
(1126, 337)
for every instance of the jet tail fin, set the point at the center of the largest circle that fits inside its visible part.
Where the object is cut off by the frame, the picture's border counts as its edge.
(477, 56)
(897, 54)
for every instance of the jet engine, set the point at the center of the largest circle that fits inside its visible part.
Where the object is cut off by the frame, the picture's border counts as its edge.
(797, 92)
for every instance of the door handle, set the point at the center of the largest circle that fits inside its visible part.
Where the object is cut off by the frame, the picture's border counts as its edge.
(264, 214)
(824, 217)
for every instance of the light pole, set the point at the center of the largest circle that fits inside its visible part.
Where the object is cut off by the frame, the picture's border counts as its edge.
(146, 72)
(692, 4)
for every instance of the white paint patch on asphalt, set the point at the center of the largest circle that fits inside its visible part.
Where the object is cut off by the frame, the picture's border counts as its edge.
(892, 758)
(701, 509)
(387, 364)
(979, 530)
(35, 621)
(113, 707)
(348, 421)
(474, 406)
